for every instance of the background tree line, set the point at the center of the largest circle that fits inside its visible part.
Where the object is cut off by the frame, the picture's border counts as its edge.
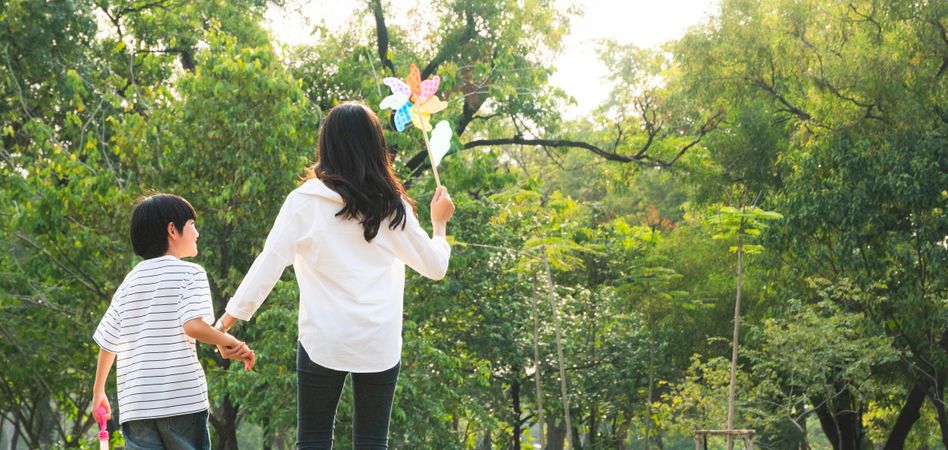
(598, 230)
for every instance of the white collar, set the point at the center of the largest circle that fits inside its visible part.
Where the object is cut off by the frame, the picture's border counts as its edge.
(315, 186)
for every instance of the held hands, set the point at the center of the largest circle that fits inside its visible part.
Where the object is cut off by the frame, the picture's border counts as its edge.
(441, 206)
(234, 349)
(229, 346)
(239, 351)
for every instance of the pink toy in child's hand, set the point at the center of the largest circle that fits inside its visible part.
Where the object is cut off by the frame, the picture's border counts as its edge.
(100, 416)
(103, 433)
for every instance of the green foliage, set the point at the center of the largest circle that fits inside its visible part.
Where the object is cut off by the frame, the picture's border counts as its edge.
(833, 112)
(813, 353)
(741, 224)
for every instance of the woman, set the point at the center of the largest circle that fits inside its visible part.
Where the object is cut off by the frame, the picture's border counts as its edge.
(349, 231)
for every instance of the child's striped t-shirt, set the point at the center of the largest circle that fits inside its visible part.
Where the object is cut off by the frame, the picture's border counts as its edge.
(159, 374)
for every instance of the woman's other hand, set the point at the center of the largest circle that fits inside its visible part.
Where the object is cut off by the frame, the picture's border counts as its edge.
(442, 208)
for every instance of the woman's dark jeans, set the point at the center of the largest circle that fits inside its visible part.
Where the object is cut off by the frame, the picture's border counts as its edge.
(317, 393)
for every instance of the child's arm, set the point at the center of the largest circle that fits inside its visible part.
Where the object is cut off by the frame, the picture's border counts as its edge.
(102, 369)
(198, 329)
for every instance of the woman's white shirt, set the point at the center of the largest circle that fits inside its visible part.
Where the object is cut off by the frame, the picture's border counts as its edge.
(351, 291)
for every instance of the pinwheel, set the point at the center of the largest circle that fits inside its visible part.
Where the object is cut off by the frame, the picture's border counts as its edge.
(414, 101)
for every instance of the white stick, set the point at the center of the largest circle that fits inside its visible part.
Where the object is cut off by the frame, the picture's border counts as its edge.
(424, 134)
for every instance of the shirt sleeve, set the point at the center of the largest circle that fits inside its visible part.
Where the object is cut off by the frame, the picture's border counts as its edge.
(109, 332)
(427, 256)
(279, 251)
(195, 300)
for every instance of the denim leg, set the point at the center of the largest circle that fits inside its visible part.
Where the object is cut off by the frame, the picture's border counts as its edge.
(142, 435)
(185, 432)
(374, 393)
(317, 394)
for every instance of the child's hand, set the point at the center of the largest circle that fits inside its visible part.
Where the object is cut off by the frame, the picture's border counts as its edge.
(100, 399)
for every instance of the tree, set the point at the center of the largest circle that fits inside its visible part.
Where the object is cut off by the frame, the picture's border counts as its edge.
(853, 134)
(740, 225)
(58, 262)
(68, 180)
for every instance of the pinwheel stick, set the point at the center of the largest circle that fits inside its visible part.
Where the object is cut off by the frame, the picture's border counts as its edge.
(424, 134)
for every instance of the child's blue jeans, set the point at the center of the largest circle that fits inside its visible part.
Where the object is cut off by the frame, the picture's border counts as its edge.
(185, 432)
(317, 394)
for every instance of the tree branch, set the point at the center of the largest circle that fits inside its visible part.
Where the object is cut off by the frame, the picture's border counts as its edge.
(640, 157)
(825, 84)
(869, 17)
(944, 37)
(519, 140)
(142, 7)
(801, 114)
(708, 126)
(652, 125)
(381, 33)
(82, 278)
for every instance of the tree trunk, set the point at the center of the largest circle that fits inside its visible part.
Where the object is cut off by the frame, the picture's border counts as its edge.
(536, 358)
(800, 411)
(381, 34)
(828, 423)
(576, 443)
(82, 424)
(224, 421)
(32, 432)
(559, 346)
(593, 415)
(517, 414)
(842, 428)
(734, 343)
(907, 416)
(651, 377)
(556, 436)
(16, 436)
(486, 443)
(618, 439)
(939, 401)
(267, 438)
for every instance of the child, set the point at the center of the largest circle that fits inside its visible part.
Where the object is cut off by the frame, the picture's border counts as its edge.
(156, 314)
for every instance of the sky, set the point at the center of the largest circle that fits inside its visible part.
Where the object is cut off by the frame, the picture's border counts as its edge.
(644, 23)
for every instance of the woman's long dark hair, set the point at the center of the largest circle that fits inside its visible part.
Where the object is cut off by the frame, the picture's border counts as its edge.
(352, 158)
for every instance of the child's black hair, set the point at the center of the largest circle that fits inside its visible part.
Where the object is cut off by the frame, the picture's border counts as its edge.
(150, 221)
